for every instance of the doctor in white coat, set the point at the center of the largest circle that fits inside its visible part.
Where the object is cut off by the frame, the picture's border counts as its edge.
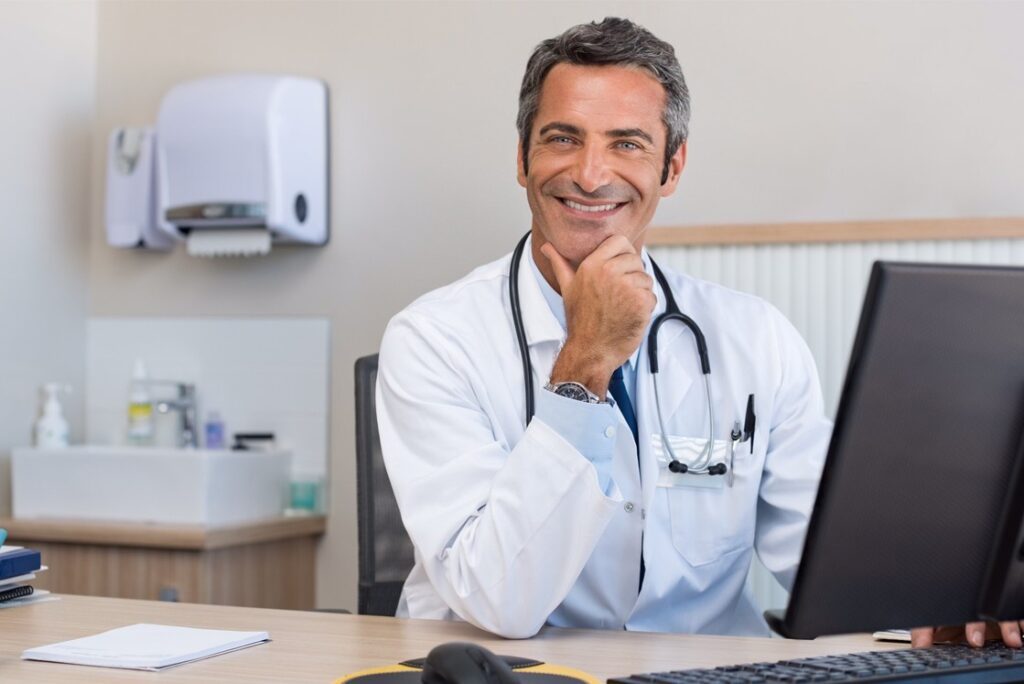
(576, 519)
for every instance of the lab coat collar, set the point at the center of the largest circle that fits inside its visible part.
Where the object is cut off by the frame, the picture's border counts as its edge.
(539, 321)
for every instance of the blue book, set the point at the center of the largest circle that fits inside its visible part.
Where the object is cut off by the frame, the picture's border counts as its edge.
(19, 562)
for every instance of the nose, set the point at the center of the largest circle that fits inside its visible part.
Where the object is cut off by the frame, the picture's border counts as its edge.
(591, 170)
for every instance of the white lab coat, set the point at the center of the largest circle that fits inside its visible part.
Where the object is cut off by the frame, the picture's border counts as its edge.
(510, 526)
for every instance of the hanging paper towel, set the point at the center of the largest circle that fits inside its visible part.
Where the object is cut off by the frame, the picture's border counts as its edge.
(243, 163)
(238, 242)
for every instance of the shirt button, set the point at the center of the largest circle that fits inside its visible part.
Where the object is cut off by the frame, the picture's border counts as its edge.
(609, 432)
(629, 506)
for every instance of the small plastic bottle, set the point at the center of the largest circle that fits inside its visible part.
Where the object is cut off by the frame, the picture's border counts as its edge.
(214, 431)
(52, 427)
(140, 407)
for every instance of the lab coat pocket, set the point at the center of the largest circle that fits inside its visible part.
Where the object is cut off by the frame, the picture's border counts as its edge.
(707, 523)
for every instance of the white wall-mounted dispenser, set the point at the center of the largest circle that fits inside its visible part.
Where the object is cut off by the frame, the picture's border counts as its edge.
(242, 161)
(131, 211)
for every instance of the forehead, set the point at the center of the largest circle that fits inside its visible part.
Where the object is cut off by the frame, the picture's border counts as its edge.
(602, 98)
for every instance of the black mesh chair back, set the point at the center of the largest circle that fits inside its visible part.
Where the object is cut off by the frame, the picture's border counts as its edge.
(385, 551)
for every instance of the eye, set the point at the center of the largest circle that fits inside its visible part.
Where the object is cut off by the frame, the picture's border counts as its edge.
(560, 140)
(628, 145)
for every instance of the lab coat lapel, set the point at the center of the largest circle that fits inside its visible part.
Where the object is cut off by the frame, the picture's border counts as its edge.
(678, 368)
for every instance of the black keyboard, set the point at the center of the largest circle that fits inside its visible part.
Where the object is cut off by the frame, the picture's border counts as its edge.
(947, 664)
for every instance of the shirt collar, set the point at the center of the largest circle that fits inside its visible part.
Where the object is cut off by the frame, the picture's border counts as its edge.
(554, 300)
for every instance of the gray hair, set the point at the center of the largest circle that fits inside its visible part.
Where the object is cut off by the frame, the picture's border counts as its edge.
(611, 42)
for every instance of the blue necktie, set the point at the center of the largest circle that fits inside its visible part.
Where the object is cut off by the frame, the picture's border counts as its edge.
(617, 387)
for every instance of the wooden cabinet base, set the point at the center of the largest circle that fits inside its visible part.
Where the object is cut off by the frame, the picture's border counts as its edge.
(269, 565)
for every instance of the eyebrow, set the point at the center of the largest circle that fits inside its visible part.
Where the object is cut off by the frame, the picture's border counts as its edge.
(559, 126)
(614, 133)
(630, 133)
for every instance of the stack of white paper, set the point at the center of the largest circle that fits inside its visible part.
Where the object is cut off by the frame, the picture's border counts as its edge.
(145, 647)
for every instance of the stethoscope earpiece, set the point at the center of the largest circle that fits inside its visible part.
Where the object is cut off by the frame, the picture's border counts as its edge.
(677, 467)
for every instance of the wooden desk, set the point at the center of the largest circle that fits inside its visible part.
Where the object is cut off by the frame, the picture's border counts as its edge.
(268, 564)
(320, 647)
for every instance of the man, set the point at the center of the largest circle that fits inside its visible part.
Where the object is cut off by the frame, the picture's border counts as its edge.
(582, 517)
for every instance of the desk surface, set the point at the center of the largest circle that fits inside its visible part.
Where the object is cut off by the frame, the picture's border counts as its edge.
(320, 647)
(154, 535)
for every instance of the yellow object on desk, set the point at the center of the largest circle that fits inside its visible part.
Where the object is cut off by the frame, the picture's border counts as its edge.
(528, 671)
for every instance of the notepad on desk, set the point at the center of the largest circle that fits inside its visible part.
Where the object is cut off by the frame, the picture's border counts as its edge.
(146, 647)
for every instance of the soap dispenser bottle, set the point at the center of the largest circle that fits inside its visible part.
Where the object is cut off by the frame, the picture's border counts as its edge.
(52, 427)
(140, 407)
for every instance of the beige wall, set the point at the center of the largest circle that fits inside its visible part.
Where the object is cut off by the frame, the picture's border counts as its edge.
(47, 90)
(802, 110)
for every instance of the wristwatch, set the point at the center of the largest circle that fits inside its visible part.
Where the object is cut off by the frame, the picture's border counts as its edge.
(574, 390)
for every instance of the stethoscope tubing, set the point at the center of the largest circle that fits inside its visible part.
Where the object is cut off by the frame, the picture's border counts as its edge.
(517, 321)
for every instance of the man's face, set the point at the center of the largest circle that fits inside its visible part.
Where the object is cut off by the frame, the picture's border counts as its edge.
(596, 154)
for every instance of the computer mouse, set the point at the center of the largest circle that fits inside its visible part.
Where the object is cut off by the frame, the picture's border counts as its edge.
(463, 663)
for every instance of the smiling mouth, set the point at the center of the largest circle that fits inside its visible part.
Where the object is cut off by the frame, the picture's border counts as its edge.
(595, 210)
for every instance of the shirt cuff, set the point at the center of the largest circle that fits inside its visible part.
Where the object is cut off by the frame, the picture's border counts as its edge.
(590, 428)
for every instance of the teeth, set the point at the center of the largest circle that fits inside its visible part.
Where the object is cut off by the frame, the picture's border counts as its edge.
(582, 207)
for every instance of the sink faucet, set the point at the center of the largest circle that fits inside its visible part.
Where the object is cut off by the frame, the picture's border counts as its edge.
(185, 405)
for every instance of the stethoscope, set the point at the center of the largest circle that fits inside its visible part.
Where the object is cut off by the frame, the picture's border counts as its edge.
(702, 464)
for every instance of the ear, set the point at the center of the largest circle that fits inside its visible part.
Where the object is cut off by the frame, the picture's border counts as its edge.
(520, 171)
(675, 170)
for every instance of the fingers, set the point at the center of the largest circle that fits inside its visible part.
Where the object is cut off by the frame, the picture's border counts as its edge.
(1010, 631)
(639, 279)
(612, 247)
(975, 632)
(624, 264)
(921, 637)
(564, 272)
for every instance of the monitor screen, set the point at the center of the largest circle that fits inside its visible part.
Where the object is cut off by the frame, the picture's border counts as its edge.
(926, 444)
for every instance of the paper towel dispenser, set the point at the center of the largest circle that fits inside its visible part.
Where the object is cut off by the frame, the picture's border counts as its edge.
(242, 161)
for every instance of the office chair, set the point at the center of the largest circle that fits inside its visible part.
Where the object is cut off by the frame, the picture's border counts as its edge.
(385, 550)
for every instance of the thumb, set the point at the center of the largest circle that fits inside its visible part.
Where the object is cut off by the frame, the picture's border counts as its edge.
(564, 272)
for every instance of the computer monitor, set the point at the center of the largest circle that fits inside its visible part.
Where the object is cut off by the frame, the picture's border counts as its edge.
(918, 515)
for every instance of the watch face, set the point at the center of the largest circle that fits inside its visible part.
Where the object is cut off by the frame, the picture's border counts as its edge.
(573, 390)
